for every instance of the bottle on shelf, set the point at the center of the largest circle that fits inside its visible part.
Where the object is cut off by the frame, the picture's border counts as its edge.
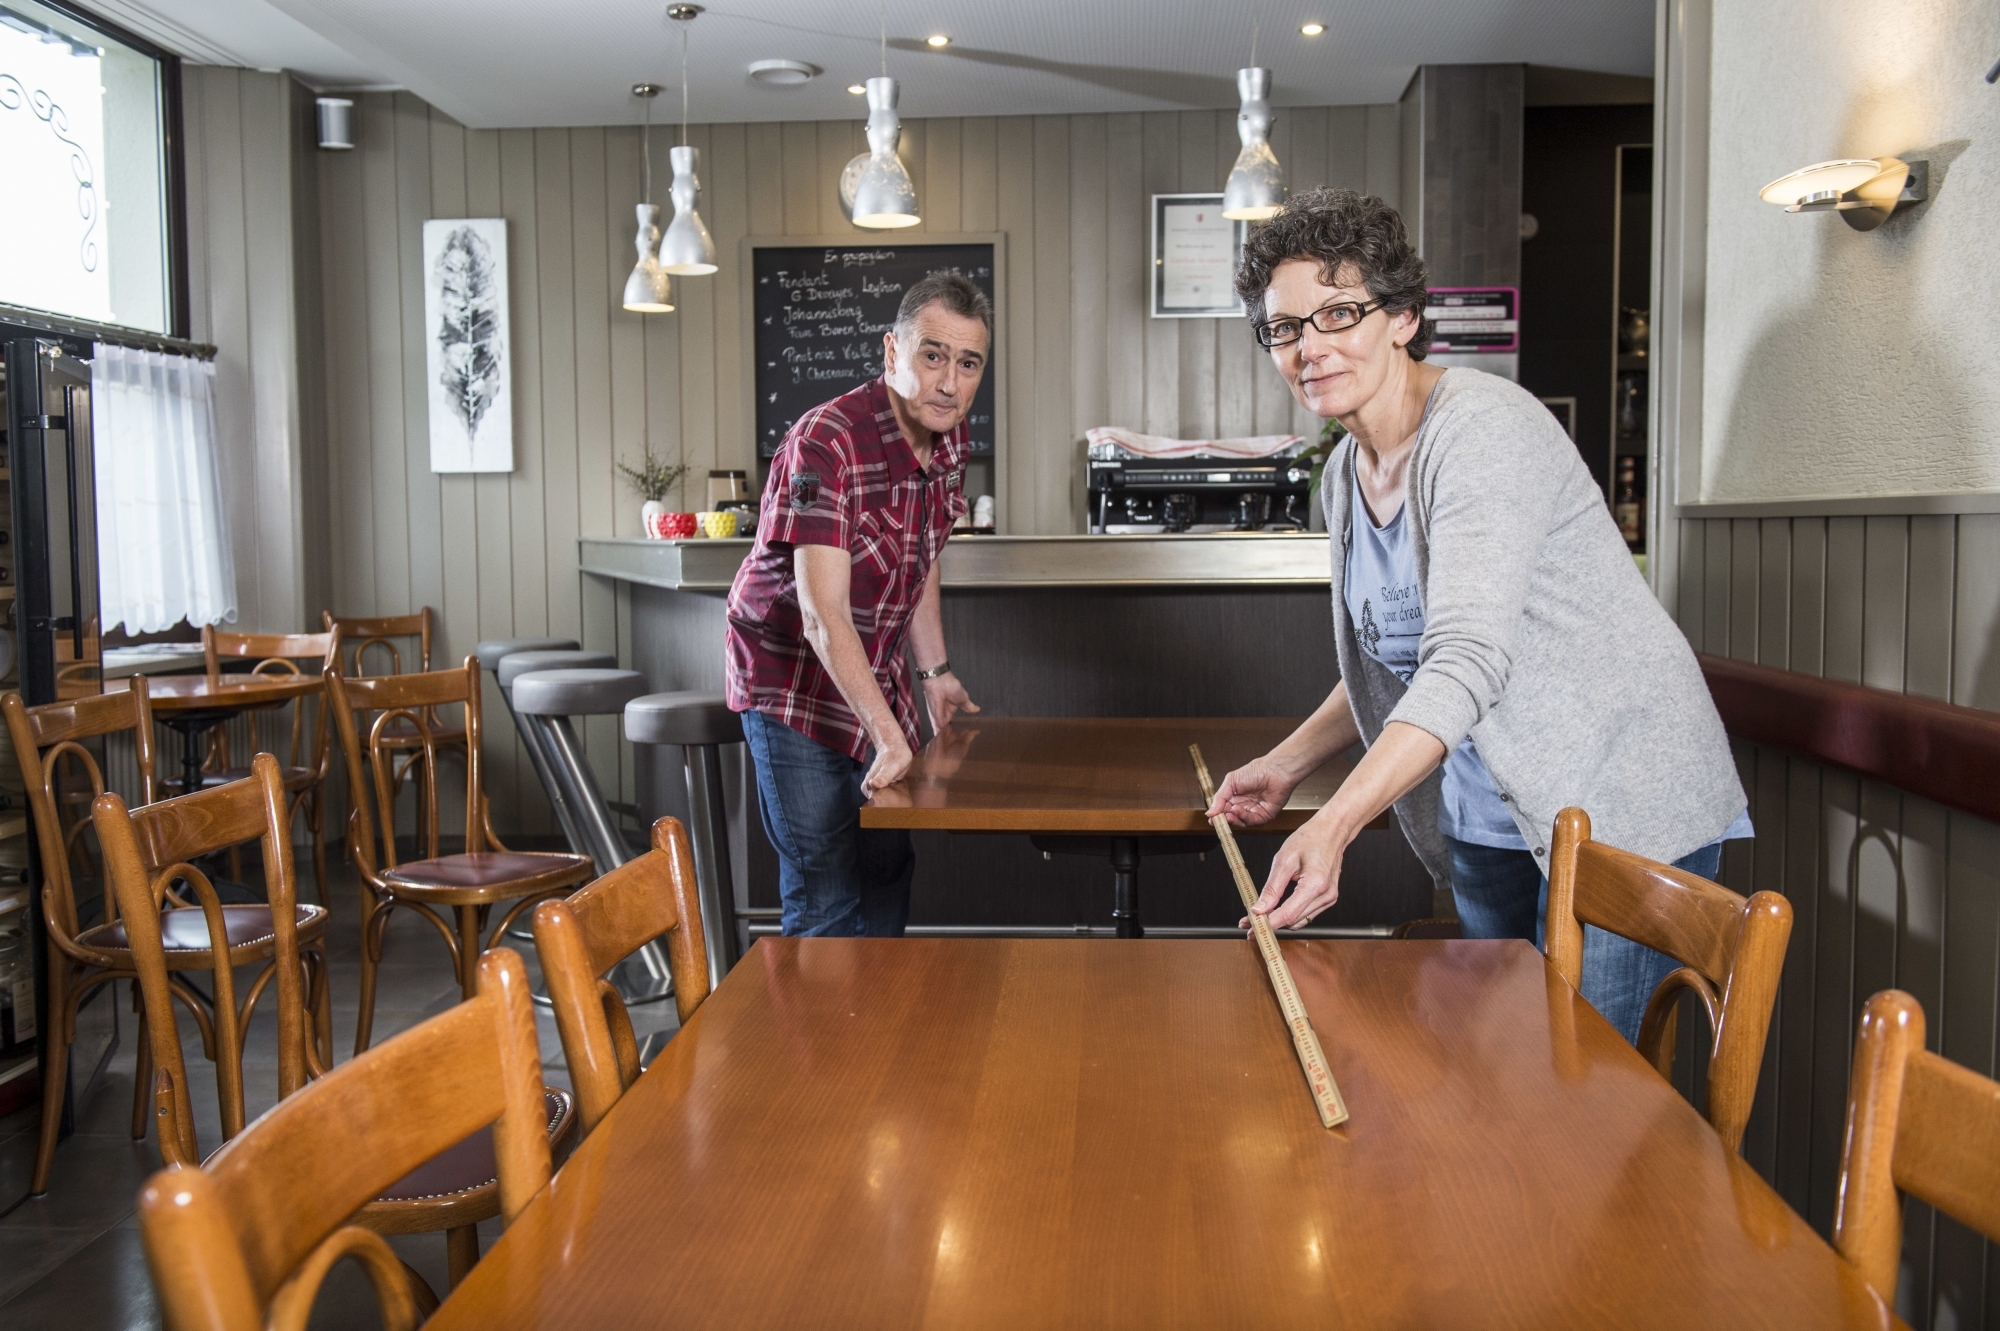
(1628, 504)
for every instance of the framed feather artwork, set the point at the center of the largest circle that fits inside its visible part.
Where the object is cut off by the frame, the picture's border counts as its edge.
(468, 358)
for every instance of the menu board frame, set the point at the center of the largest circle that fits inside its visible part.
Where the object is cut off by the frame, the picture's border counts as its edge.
(997, 364)
(1166, 276)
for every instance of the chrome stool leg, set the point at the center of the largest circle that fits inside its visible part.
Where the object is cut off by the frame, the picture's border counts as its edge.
(709, 833)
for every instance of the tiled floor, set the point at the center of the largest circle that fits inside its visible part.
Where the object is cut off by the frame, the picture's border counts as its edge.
(73, 1257)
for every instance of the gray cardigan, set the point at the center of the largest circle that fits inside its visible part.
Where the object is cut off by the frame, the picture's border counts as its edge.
(1541, 641)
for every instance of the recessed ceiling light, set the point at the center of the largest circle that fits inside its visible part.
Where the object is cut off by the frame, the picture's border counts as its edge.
(857, 89)
(1312, 29)
(937, 39)
(782, 73)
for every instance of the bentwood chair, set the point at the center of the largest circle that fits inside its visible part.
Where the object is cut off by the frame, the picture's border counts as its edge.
(359, 634)
(243, 1241)
(309, 756)
(581, 936)
(80, 957)
(452, 1192)
(1731, 951)
(1918, 1124)
(469, 884)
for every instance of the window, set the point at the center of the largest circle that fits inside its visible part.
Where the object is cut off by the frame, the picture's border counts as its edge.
(84, 128)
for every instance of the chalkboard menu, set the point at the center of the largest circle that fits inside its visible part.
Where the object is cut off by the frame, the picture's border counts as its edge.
(820, 312)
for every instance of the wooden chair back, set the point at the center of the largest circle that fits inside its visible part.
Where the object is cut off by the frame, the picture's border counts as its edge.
(243, 1241)
(278, 654)
(43, 737)
(358, 633)
(148, 852)
(1916, 1123)
(1731, 951)
(585, 934)
(410, 700)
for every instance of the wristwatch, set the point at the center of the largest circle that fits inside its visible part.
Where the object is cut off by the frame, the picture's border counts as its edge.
(941, 668)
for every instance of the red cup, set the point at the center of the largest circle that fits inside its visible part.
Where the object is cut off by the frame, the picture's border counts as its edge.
(677, 526)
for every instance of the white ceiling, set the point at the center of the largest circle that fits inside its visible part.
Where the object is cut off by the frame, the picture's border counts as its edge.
(493, 63)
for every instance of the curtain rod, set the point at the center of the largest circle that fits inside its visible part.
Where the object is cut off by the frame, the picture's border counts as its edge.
(41, 321)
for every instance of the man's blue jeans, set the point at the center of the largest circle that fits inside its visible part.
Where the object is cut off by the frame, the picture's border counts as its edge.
(1502, 893)
(834, 877)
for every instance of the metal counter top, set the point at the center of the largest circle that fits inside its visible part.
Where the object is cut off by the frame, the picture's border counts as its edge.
(1223, 559)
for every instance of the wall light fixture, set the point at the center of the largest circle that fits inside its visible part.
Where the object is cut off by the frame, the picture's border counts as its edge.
(1863, 190)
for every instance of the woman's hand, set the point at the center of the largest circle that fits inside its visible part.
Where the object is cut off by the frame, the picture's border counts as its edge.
(1254, 793)
(1309, 864)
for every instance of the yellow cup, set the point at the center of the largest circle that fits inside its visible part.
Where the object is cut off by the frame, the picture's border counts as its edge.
(720, 525)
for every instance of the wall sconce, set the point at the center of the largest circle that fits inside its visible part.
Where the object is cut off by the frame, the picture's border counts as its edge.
(1863, 190)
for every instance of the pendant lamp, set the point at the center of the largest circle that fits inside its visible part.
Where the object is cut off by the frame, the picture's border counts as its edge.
(1255, 190)
(648, 290)
(876, 191)
(687, 250)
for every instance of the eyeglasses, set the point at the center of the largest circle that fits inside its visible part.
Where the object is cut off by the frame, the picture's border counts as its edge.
(1289, 328)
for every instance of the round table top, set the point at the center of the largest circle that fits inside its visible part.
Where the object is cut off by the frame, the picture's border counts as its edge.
(190, 693)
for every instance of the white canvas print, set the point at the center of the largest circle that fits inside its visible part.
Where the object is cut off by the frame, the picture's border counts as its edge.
(467, 358)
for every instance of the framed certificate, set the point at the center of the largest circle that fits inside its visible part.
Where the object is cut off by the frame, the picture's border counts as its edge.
(1195, 253)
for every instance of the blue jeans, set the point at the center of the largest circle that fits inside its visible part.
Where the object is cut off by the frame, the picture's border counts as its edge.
(1502, 893)
(835, 877)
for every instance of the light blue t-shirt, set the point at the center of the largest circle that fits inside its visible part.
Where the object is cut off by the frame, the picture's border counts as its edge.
(1385, 603)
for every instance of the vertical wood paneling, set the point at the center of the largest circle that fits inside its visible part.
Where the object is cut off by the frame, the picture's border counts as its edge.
(1196, 141)
(1014, 153)
(1774, 600)
(1160, 155)
(1744, 610)
(1125, 267)
(1090, 288)
(1927, 652)
(1975, 645)
(943, 146)
(1058, 446)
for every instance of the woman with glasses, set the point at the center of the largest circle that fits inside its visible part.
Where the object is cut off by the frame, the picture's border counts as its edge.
(1500, 655)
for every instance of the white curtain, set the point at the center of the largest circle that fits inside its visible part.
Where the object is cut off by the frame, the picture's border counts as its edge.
(162, 543)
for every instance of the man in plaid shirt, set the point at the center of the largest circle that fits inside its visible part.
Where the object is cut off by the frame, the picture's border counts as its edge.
(841, 583)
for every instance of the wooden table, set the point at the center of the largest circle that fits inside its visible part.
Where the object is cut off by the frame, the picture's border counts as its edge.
(892, 1133)
(193, 705)
(1120, 787)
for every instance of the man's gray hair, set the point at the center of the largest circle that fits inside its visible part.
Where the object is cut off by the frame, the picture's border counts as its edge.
(959, 295)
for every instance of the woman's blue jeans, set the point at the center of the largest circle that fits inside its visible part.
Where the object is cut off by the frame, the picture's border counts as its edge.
(835, 877)
(1502, 893)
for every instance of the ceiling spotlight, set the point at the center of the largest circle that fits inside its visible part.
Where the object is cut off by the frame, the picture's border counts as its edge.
(1311, 29)
(937, 39)
(858, 89)
(782, 73)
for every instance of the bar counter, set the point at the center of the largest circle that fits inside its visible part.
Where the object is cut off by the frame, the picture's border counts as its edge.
(1093, 626)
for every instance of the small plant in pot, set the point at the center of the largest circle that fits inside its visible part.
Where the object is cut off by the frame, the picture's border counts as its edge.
(654, 478)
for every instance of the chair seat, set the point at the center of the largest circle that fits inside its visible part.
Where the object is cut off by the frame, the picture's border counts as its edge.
(576, 692)
(184, 932)
(518, 664)
(688, 717)
(296, 778)
(494, 650)
(402, 733)
(487, 875)
(471, 1164)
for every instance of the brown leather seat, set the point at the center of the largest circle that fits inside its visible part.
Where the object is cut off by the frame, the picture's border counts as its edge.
(471, 1164)
(481, 869)
(186, 930)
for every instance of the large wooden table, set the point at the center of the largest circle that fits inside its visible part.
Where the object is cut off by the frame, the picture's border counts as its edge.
(1118, 787)
(964, 1133)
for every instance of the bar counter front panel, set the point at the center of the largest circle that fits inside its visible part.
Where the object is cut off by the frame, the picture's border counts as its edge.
(1107, 626)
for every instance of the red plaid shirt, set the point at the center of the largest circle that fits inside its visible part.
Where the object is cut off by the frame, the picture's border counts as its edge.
(843, 477)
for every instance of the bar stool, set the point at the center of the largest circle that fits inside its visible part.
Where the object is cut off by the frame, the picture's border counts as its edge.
(575, 822)
(701, 723)
(491, 653)
(545, 700)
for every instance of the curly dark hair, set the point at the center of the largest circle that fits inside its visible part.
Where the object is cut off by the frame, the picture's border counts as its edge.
(1340, 229)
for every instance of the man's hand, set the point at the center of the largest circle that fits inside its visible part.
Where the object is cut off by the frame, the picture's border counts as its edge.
(946, 698)
(892, 764)
(1253, 794)
(1309, 864)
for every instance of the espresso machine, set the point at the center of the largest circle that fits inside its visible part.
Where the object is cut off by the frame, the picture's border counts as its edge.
(1132, 495)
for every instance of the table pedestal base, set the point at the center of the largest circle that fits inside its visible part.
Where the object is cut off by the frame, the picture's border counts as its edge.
(1124, 854)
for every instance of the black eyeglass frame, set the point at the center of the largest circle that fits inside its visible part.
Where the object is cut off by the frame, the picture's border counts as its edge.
(1365, 309)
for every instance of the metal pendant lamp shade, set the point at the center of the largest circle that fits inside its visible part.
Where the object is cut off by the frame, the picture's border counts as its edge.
(884, 195)
(648, 290)
(688, 250)
(1256, 187)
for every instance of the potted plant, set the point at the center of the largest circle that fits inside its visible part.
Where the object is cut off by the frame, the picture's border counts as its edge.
(654, 478)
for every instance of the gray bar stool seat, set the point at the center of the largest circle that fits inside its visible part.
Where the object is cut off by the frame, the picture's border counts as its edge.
(491, 651)
(519, 656)
(700, 723)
